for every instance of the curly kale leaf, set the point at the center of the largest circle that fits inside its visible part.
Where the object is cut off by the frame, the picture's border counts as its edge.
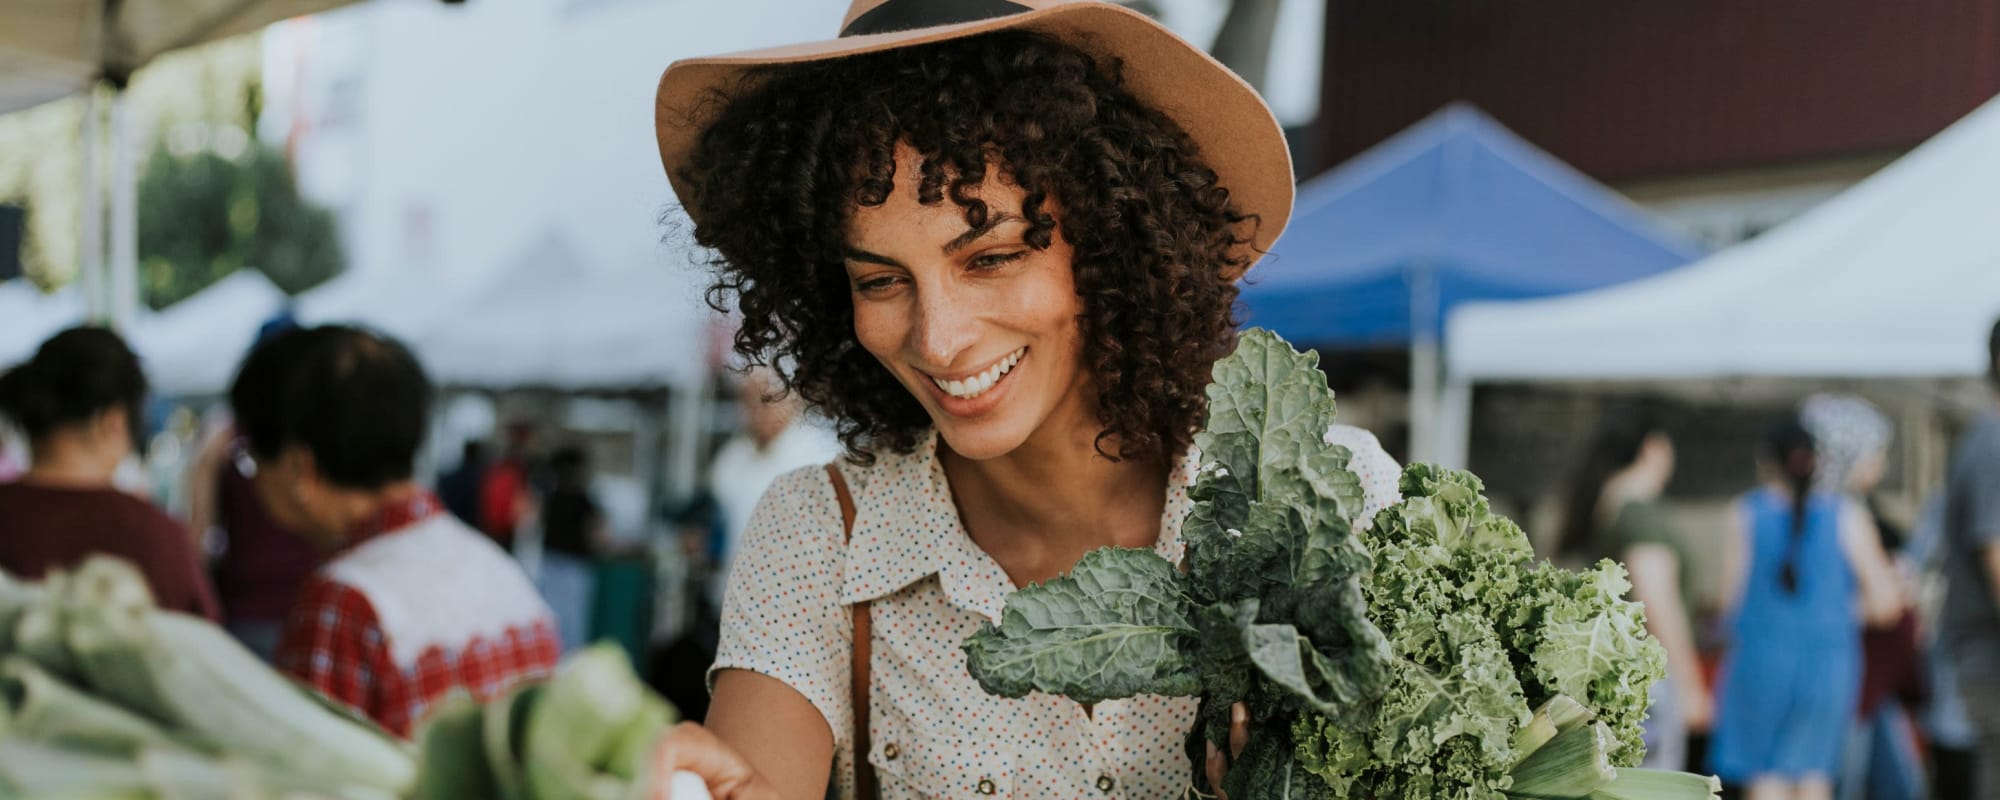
(1480, 634)
(1118, 625)
(1588, 642)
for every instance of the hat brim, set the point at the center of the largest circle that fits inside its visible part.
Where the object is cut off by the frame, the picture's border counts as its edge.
(1235, 131)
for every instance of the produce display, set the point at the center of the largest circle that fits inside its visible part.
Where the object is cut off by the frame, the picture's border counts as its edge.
(1428, 656)
(105, 697)
(584, 735)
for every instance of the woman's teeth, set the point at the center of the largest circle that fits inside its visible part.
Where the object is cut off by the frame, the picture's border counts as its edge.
(978, 384)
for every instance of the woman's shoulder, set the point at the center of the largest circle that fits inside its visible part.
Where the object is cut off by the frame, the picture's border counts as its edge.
(1642, 522)
(114, 507)
(797, 500)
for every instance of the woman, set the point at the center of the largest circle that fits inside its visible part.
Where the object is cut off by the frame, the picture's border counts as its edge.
(1614, 513)
(77, 402)
(1882, 761)
(996, 243)
(1803, 568)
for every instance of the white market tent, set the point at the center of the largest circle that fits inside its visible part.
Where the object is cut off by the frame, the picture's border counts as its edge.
(27, 317)
(548, 321)
(396, 302)
(189, 349)
(1898, 277)
(192, 348)
(545, 320)
(50, 49)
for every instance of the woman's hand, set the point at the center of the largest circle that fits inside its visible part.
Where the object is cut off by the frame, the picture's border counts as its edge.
(1239, 735)
(689, 747)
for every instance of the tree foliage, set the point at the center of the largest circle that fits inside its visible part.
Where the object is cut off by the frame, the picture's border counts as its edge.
(203, 216)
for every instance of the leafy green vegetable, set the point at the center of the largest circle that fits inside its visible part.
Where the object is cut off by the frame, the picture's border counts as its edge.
(1399, 659)
(1119, 627)
(1270, 610)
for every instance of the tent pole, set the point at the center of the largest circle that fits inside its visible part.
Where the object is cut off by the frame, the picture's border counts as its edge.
(124, 295)
(90, 264)
(1423, 365)
(647, 411)
(1455, 423)
(684, 443)
(1423, 397)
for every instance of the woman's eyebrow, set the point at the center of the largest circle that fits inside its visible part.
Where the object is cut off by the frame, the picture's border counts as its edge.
(863, 256)
(974, 234)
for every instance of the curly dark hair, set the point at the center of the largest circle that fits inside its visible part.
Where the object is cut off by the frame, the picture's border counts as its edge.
(790, 151)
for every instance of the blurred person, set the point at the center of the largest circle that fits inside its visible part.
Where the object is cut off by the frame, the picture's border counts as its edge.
(506, 487)
(573, 535)
(685, 625)
(409, 605)
(459, 487)
(259, 566)
(1799, 566)
(1882, 762)
(262, 566)
(218, 444)
(1971, 558)
(1614, 513)
(1005, 273)
(1952, 742)
(775, 439)
(77, 401)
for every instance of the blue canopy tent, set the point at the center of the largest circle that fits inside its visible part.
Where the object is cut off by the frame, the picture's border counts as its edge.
(1454, 209)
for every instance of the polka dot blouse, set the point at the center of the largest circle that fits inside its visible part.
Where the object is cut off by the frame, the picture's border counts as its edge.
(933, 732)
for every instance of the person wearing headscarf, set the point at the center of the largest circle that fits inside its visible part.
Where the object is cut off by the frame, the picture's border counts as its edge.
(1882, 762)
(1802, 569)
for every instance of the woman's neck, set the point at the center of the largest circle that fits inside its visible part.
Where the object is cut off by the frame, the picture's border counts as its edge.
(62, 462)
(1039, 508)
(351, 509)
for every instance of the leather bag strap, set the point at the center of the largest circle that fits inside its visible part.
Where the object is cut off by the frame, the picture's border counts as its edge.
(864, 772)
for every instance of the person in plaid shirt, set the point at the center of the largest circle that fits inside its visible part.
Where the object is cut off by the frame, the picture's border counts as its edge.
(410, 605)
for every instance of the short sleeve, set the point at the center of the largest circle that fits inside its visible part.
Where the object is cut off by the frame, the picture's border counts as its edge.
(1981, 516)
(782, 616)
(1378, 471)
(333, 642)
(1640, 523)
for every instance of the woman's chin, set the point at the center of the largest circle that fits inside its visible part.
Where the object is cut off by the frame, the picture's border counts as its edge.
(980, 441)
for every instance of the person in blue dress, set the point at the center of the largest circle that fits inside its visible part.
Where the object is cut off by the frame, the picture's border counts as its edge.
(1802, 569)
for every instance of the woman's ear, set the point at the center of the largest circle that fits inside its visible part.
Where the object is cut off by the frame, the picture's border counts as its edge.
(114, 424)
(300, 467)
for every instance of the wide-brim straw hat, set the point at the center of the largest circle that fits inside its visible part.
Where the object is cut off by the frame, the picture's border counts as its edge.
(1235, 131)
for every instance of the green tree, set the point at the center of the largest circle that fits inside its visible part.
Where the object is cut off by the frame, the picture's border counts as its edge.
(203, 216)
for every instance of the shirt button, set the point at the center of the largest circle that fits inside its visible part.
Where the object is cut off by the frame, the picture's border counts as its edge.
(891, 751)
(986, 786)
(1105, 784)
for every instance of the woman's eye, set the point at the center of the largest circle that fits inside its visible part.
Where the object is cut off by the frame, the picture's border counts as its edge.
(992, 260)
(875, 285)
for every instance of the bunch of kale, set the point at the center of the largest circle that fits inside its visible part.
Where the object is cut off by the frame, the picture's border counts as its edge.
(1406, 660)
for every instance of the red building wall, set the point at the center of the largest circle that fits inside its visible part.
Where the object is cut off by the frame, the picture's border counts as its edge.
(1629, 89)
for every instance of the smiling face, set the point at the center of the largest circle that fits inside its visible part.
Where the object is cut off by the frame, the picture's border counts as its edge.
(979, 325)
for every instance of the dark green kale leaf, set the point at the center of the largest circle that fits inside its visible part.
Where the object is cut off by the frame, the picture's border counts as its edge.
(1118, 625)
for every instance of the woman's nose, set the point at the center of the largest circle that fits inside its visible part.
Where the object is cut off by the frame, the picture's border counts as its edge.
(944, 328)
